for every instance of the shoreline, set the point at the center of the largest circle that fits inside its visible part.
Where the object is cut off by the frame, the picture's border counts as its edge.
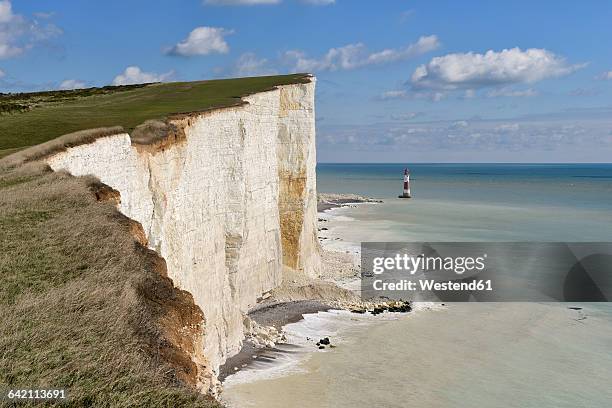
(327, 201)
(269, 319)
(283, 313)
(533, 340)
(405, 361)
(332, 206)
(275, 315)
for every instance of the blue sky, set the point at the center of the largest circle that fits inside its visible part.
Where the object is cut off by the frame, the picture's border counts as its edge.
(415, 81)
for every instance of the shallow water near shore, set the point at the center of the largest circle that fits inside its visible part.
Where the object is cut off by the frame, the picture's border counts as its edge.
(465, 354)
(474, 202)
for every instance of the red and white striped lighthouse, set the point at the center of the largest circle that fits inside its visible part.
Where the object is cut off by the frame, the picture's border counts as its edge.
(406, 184)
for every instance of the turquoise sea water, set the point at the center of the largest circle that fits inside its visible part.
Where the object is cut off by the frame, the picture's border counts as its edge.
(467, 355)
(473, 202)
(500, 355)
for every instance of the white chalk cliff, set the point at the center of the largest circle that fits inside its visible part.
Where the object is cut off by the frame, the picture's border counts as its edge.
(227, 206)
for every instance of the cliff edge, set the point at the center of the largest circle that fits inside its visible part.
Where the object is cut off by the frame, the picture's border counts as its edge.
(226, 197)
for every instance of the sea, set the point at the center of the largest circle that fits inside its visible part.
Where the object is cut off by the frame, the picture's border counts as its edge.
(476, 202)
(541, 355)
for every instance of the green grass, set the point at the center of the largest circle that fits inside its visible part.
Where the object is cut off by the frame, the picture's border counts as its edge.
(52, 114)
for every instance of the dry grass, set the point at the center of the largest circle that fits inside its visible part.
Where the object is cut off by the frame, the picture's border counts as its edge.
(82, 302)
(155, 132)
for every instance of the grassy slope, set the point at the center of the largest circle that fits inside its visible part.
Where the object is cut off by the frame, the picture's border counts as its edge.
(80, 300)
(60, 112)
(81, 305)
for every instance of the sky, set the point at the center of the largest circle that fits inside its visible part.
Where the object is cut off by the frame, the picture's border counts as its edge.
(397, 81)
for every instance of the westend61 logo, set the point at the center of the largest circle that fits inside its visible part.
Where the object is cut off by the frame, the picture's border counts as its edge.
(414, 264)
(487, 271)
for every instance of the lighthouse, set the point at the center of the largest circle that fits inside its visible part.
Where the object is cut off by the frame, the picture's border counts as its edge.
(406, 193)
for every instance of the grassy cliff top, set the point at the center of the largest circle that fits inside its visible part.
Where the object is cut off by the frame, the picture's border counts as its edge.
(28, 119)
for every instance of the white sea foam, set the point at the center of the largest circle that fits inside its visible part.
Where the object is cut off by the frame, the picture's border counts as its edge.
(302, 336)
(332, 236)
(342, 218)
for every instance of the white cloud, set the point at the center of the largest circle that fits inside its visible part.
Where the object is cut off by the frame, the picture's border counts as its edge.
(507, 127)
(459, 124)
(8, 51)
(240, 2)
(469, 94)
(18, 34)
(406, 115)
(404, 94)
(519, 93)
(423, 45)
(434, 96)
(134, 75)
(6, 12)
(353, 56)
(72, 84)
(249, 65)
(605, 76)
(477, 140)
(509, 66)
(202, 41)
(397, 94)
(11, 27)
(2, 73)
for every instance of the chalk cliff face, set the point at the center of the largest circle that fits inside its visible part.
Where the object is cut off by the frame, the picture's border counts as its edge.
(227, 205)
